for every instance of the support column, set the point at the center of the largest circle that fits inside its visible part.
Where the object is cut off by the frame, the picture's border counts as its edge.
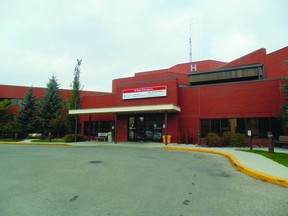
(89, 132)
(115, 130)
(76, 123)
(166, 128)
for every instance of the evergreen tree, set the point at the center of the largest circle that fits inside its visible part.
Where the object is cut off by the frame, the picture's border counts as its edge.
(27, 116)
(6, 117)
(51, 104)
(5, 114)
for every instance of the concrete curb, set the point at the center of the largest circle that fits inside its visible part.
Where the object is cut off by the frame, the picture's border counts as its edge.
(33, 144)
(248, 171)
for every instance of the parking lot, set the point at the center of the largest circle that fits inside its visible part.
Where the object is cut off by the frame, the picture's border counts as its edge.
(129, 180)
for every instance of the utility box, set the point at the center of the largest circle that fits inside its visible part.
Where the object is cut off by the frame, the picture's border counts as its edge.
(168, 139)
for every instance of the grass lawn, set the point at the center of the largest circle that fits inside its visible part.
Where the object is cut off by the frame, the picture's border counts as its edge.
(281, 158)
(46, 140)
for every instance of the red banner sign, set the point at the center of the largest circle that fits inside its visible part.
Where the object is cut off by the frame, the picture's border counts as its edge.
(147, 92)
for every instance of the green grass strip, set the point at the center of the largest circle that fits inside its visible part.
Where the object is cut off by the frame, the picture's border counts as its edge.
(281, 158)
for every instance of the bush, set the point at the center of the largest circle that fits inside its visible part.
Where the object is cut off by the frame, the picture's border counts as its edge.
(213, 140)
(46, 137)
(71, 138)
(227, 138)
(237, 140)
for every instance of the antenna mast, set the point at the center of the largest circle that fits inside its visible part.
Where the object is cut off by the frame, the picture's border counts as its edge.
(190, 42)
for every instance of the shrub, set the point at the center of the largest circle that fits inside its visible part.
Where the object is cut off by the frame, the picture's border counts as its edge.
(46, 137)
(233, 139)
(237, 140)
(213, 140)
(71, 138)
(226, 138)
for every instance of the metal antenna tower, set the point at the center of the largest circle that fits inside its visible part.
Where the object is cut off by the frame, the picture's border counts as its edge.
(190, 42)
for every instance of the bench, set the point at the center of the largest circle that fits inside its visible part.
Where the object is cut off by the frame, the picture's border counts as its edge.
(283, 140)
(101, 136)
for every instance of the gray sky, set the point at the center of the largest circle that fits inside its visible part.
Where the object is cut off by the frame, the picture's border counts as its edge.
(116, 38)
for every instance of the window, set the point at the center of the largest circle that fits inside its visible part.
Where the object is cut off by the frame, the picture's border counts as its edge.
(258, 126)
(98, 127)
(233, 74)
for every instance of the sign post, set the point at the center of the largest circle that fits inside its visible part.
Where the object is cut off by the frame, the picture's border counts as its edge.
(249, 133)
(270, 142)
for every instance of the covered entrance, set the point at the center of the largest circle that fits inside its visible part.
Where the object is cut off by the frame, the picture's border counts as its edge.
(145, 123)
(145, 128)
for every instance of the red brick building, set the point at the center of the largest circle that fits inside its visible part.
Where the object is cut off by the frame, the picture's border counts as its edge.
(16, 94)
(191, 98)
(186, 99)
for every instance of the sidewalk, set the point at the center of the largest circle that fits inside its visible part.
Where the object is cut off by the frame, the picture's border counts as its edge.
(254, 165)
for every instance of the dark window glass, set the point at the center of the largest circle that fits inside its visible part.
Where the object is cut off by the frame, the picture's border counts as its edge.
(241, 127)
(264, 127)
(98, 127)
(205, 127)
(225, 125)
(215, 126)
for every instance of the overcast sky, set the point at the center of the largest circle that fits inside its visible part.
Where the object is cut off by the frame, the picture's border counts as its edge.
(116, 38)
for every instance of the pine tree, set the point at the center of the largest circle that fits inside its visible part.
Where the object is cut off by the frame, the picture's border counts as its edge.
(5, 117)
(51, 104)
(27, 117)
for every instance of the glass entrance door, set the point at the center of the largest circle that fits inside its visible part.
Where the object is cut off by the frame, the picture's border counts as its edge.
(145, 128)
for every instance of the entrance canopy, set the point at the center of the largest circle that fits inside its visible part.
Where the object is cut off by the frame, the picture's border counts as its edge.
(128, 109)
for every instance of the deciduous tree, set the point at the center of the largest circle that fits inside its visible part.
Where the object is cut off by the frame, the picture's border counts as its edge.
(74, 100)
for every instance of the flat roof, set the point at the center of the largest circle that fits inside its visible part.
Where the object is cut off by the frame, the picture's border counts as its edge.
(128, 109)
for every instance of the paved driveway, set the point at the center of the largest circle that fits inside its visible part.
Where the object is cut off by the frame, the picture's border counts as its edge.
(129, 180)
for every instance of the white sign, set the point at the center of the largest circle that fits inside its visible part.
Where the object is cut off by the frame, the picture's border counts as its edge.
(193, 67)
(249, 133)
(147, 92)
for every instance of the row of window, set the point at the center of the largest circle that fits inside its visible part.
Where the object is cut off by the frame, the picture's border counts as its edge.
(13, 101)
(258, 126)
(253, 72)
(98, 127)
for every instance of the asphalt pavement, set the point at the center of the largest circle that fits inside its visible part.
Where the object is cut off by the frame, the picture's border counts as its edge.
(129, 179)
(257, 164)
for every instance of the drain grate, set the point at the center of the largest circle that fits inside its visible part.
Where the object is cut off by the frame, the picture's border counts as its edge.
(74, 198)
(95, 162)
